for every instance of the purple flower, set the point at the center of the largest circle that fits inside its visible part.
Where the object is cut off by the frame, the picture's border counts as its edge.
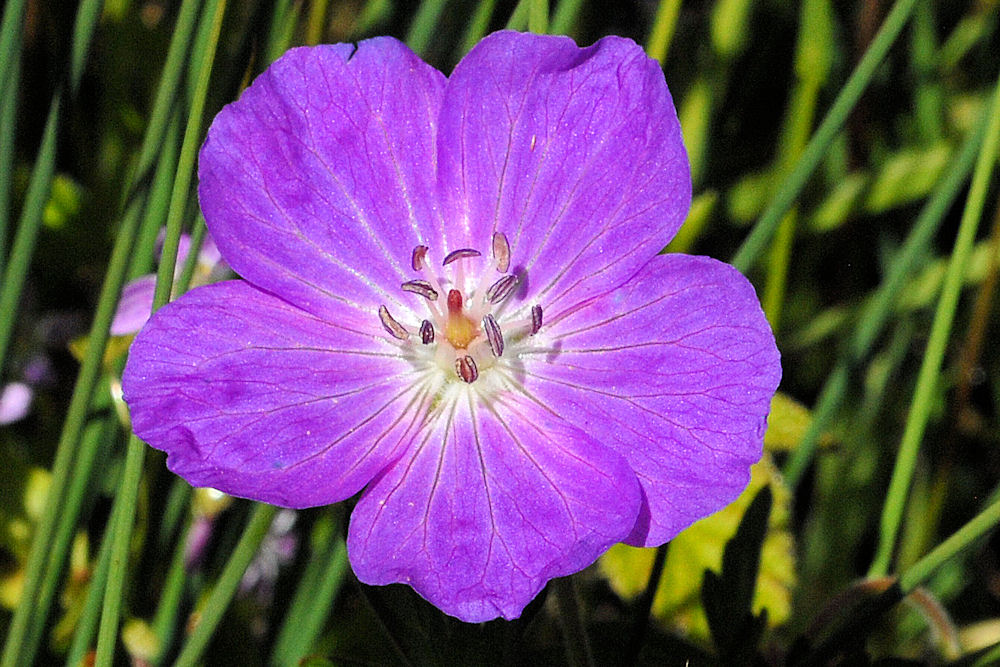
(452, 304)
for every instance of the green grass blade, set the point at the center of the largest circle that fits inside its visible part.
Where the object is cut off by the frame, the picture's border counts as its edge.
(225, 588)
(424, 25)
(10, 41)
(519, 17)
(129, 487)
(97, 438)
(478, 25)
(168, 610)
(86, 627)
(8, 142)
(538, 16)
(662, 32)
(878, 309)
(824, 136)
(91, 365)
(28, 226)
(87, 16)
(565, 17)
(930, 368)
(315, 594)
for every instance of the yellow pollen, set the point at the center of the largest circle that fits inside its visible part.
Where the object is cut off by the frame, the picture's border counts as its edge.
(460, 330)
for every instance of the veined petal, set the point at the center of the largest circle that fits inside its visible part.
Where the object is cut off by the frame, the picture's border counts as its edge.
(575, 154)
(488, 505)
(255, 397)
(675, 371)
(320, 180)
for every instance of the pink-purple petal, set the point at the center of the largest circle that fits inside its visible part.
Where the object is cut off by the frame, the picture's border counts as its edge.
(320, 180)
(259, 399)
(134, 306)
(675, 371)
(15, 402)
(575, 154)
(488, 506)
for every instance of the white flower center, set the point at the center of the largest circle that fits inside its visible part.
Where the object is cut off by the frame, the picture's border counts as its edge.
(464, 334)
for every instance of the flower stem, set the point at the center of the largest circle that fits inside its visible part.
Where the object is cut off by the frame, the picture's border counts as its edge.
(944, 317)
(578, 652)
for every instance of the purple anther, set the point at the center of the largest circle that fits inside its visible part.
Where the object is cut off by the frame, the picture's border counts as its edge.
(421, 287)
(426, 332)
(466, 369)
(501, 289)
(459, 254)
(493, 334)
(501, 252)
(419, 258)
(391, 325)
(536, 319)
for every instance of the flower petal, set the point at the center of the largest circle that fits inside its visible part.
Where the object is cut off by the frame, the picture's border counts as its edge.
(259, 399)
(488, 506)
(575, 154)
(15, 401)
(675, 371)
(134, 306)
(318, 182)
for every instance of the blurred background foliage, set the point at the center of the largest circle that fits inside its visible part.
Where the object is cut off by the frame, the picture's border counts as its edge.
(857, 224)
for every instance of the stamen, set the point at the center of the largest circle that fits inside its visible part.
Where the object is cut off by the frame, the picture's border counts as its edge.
(459, 254)
(466, 369)
(493, 334)
(426, 332)
(536, 319)
(421, 287)
(501, 289)
(391, 325)
(501, 252)
(419, 257)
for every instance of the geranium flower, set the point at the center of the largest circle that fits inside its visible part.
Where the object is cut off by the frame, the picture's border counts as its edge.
(452, 303)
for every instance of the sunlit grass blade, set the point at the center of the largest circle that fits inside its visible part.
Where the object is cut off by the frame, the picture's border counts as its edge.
(848, 97)
(538, 16)
(944, 316)
(662, 32)
(214, 608)
(129, 487)
(877, 311)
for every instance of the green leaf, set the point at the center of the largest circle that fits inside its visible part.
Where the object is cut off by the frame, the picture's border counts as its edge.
(700, 547)
(728, 596)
